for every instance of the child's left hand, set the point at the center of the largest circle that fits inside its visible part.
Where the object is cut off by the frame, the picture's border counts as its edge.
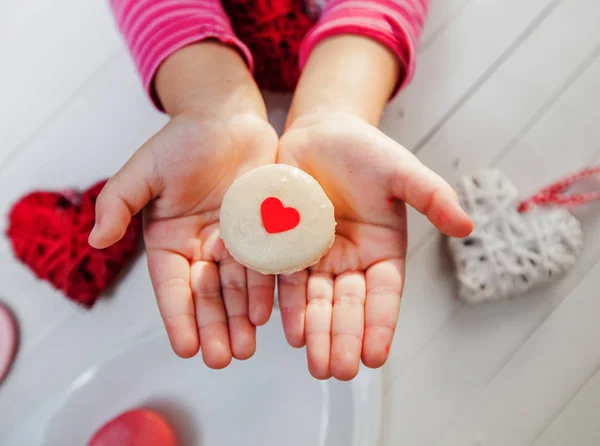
(345, 308)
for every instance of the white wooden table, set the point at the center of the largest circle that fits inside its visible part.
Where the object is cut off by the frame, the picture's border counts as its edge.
(508, 83)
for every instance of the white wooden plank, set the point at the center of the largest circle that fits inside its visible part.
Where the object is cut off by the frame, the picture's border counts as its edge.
(441, 12)
(15, 13)
(503, 108)
(465, 355)
(577, 424)
(48, 51)
(464, 53)
(540, 379)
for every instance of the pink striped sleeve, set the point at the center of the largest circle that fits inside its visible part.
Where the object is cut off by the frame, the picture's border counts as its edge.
(155, 29)
(395, 23)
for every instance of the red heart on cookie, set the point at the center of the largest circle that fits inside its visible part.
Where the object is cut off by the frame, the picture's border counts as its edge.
(49, 232)
(276, 217)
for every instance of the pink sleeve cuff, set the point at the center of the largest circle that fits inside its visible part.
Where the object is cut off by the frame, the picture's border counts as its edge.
(396, 24)
(155, 29)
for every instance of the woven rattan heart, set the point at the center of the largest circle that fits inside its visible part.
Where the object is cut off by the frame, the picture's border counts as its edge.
(510, 252)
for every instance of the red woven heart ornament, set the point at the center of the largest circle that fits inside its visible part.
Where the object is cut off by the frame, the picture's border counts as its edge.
(273, 31)
(49, 233)
(277, 218)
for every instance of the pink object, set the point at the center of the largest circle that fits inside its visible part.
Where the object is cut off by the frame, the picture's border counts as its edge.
(8, 340)
(154, 29)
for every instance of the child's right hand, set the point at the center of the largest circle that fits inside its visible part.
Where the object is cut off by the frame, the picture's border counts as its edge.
(206, 299)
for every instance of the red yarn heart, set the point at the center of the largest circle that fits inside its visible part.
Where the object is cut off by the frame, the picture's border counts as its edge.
(49, 233)
(276, 217)
(273, 30)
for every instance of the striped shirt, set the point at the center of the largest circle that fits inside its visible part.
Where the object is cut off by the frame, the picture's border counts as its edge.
(154, 29)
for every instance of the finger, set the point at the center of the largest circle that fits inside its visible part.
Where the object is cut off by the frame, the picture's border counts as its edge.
(292, 305)
(170, 276)
(428, 193)
(242, 334)
(384, 291)
(348, 324)
(210, 315)
(123, 196)
(261, 293)
(318, 324)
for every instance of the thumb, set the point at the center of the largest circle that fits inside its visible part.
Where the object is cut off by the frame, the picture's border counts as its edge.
(123, 196)
(429, 194)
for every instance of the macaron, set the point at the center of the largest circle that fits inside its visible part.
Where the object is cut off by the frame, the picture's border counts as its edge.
(277, 219)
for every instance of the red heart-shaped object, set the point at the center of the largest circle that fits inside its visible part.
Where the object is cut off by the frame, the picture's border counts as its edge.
(276, 217)
(274, 32)
(138, 427)
(49, 233)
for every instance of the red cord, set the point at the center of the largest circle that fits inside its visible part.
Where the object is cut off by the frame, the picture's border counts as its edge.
(555, 194)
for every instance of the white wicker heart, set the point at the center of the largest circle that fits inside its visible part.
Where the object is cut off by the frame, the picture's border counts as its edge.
(510, 252)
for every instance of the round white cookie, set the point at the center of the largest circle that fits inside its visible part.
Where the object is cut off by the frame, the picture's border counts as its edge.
(277, 219)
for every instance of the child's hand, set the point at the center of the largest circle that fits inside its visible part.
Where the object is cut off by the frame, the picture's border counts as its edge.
(345, 308)
(205, 298)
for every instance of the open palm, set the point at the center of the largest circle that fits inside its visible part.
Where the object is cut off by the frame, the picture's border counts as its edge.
(346, 307)
(206, 299)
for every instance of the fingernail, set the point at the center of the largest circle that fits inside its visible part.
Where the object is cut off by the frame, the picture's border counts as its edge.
(457, 200)
(458, 206)
(94, 232)
(443, 217)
